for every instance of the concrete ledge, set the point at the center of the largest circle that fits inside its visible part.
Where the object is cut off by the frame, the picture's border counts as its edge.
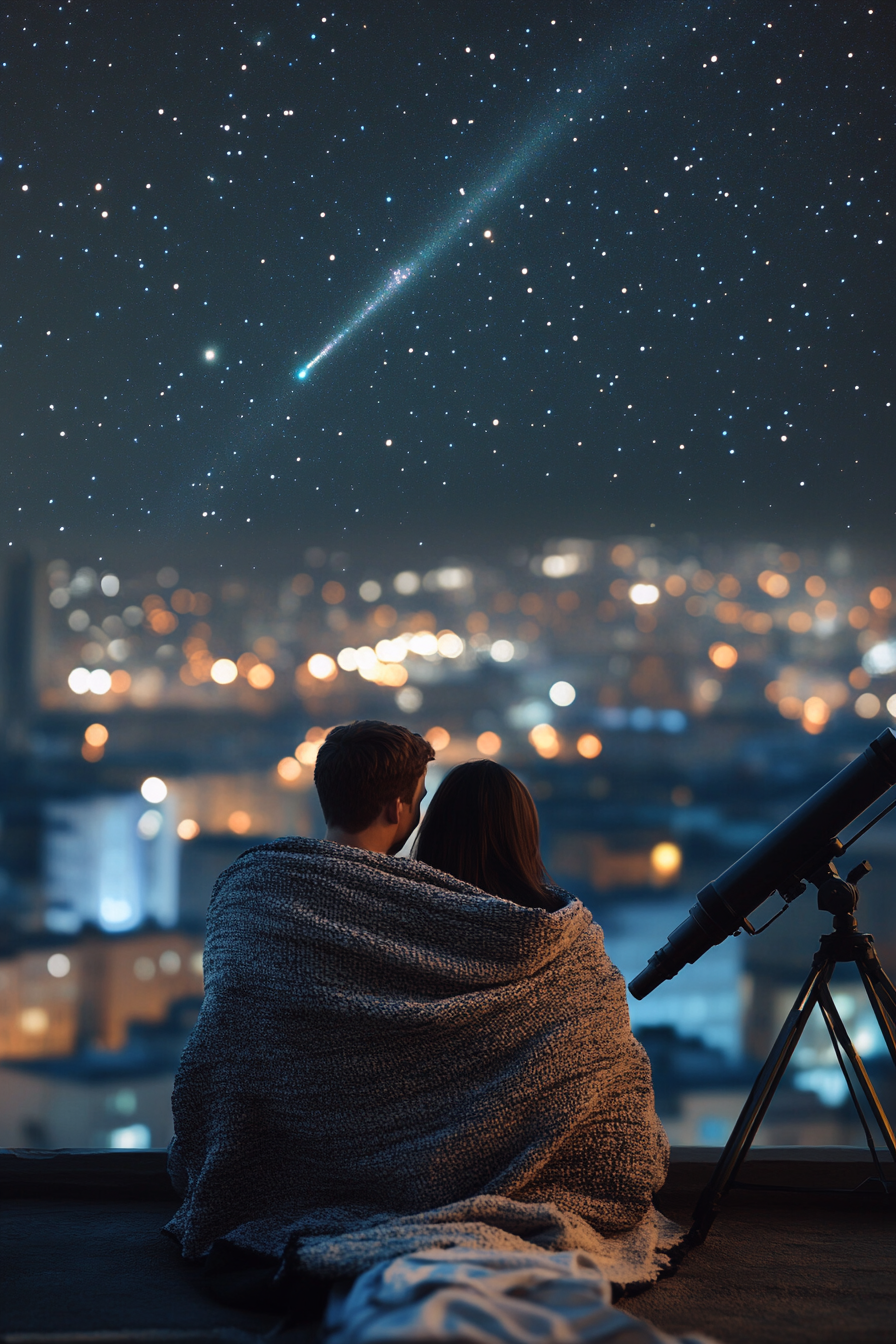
(104, 1172)
(136, 1174)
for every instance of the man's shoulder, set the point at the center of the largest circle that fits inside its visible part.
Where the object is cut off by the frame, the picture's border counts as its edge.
(301, 852)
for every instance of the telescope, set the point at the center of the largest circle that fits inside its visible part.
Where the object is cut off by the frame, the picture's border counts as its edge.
(801, 846)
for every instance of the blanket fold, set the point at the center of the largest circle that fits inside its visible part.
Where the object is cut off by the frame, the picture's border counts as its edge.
(389, 1060)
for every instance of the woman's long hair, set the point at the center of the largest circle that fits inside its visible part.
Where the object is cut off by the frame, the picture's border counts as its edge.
(482, 827)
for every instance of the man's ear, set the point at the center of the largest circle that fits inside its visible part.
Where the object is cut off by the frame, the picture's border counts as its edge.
(392, 812)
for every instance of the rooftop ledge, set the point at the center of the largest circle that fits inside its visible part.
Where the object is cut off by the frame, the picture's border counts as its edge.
(85, 1263)
(132, 1172)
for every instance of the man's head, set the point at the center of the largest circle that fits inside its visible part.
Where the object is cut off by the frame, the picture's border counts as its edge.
(370, 780)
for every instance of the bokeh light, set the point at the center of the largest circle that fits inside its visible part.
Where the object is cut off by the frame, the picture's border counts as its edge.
(289, 769)
(154, 790)
(488, 744)
(562, 693)
(545, 740)
(322, 667)
(665, 860)
(150, 824)
(261, 676)
(224, 671)
(723, 655)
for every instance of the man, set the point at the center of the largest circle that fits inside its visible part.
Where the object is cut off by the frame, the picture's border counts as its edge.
(389, 1060)
(371, 779)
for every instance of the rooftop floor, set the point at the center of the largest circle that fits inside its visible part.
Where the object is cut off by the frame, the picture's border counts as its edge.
(82, 1254)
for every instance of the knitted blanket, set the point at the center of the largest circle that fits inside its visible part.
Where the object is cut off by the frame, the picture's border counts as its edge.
(389, 1060)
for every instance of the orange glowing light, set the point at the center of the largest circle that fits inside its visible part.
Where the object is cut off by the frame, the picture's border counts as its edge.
(289, 769)
(665, 860)
(723, 655)
(261, 677)
(489, 744)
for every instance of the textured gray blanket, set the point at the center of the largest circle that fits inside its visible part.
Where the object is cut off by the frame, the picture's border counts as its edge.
(390, 1060)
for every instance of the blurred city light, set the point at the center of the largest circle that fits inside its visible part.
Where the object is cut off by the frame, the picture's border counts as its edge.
(132, 1136)
(449, 644)
(34, 1021)
(665, 860)
(562, 693)
(150, 824)
(261, 677)
(406, 583)
(224, 671)
(880, 660)
(289, 769)
(545, 740)
(154, 790)
(723, 655)
(644, 594)
(502, 651)
(488, 743)
(322, 667)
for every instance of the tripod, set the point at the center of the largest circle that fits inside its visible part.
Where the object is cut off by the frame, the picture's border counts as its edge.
(840, 898)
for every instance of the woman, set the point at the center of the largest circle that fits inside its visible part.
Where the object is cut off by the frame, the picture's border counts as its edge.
(482, 827)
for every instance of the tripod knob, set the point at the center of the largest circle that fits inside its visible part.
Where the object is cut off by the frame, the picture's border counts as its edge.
(837, 896)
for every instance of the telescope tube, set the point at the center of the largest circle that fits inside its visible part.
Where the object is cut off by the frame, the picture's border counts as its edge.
(795, 849)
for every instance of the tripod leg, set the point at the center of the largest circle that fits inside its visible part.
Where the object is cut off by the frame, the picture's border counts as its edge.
(885, 987)
(883, 1010)
(839, 1034)
(881, 995)
(757, 1103)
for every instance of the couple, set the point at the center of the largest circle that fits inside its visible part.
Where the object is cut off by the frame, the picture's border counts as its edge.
(407, 1067)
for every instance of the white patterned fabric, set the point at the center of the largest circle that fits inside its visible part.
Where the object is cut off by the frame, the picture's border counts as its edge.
(389, 1060)
(494, 1297)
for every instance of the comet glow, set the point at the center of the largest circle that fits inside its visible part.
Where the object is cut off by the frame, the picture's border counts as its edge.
(536, 143)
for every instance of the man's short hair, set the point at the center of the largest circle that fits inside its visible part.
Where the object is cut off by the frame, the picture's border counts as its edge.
(362, 766)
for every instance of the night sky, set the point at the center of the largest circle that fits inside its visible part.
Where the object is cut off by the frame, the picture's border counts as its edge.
(569, 271)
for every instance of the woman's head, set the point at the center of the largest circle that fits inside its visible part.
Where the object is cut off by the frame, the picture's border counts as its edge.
(482, 827)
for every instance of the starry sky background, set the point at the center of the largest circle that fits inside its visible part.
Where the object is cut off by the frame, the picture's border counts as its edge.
(680, 314)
